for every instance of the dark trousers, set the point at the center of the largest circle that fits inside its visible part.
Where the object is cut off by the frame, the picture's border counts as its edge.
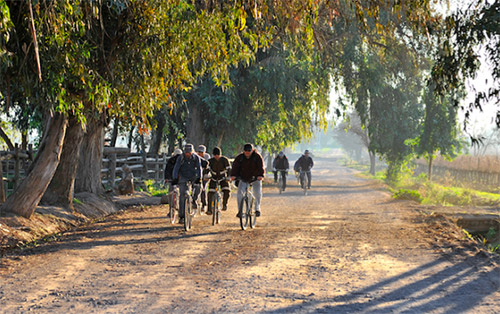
(283, 177)
(224, 186)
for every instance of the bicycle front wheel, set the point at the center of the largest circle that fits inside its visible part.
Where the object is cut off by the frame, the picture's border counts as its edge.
(244, 218)
(305, 183)
(217, 209)
(251, 213)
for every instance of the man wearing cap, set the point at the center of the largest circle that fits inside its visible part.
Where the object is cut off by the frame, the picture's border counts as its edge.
(219, 167)
(201, 151)
(304, 163)
(187, 168)
(249, 166)
(281, 165)
(169, 168)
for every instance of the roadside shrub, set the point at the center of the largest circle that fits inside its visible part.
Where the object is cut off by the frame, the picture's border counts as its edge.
(406, 194)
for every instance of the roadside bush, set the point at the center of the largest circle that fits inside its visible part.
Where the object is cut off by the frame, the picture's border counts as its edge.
(406, 194)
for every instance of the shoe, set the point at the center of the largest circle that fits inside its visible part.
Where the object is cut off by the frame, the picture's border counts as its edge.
(224, 208)
(238, 215)
(208, 212)
(308, 187)
(181, 220)
(195, 206)
(257, 213)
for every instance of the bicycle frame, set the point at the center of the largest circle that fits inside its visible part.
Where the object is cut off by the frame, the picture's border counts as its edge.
(215, 207)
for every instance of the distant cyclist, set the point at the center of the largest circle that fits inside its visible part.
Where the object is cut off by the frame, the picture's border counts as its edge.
(281, 165)
(247, 166)
(219, 167)
(187, 168)
(304, 163)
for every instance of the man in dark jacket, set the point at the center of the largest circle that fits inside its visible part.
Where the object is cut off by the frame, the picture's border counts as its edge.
(219, 168)
(281, 165)
(249, 166)
(304, 163)
(187, 168)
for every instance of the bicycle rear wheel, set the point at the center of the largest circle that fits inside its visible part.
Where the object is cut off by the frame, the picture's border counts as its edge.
(244, 218)
(280, 183)
(251, 213)
(188, 217)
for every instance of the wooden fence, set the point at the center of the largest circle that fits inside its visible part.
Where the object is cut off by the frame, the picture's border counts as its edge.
(481, 180)
(143, 166)
(14, 167)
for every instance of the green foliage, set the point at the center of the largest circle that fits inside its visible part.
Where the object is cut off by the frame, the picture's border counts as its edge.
(406, 194)
(155, 188)
(469, 34)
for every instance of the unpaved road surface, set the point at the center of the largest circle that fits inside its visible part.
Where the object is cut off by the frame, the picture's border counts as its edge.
(347, 247)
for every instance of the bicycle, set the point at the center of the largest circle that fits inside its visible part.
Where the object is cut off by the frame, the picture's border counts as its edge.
(173, 203)
(214, 203)
(189, 211)
(281, 186)
(304, 180)
(247, 216)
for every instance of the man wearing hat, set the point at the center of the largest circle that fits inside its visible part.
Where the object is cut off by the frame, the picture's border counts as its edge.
(202, 152)
(281, 165)
(304, 163)
(248, 166)
(187, 168)
(219, 167)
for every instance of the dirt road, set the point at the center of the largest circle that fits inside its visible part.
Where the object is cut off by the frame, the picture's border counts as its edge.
(347, 247)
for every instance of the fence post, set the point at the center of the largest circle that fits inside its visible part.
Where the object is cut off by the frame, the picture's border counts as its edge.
(157, 168)
(112, 170)
(16, 166)
(2, 186)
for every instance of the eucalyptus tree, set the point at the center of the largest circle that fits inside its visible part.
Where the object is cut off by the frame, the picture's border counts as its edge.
(86, 61)
(439, 130)
(472, 34)
(109, 58)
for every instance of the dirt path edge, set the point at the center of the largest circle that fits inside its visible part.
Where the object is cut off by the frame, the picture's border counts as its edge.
(47, 221)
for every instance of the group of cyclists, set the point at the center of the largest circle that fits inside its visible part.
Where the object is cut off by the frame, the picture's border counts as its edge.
(201, 170)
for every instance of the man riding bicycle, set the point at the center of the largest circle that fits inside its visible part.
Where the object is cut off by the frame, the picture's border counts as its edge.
(219, 167)
(247, 166)
(281, 165)
(187, 168)
(304, 163)
(201, 151)
(169, 168)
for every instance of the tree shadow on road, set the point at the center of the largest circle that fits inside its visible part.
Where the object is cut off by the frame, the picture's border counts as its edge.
(430, 287)
(97, 235)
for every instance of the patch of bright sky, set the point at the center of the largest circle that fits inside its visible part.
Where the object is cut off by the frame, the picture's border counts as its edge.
(481, 123)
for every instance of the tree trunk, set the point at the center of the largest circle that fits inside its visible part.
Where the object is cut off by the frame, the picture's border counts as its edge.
(372, 162)
(88, 174)
(61, 188)
(114, 136)
(26, 197)
(6, 139)
(195, 131)
(157, 133)
(130, 137)
(429, 171)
